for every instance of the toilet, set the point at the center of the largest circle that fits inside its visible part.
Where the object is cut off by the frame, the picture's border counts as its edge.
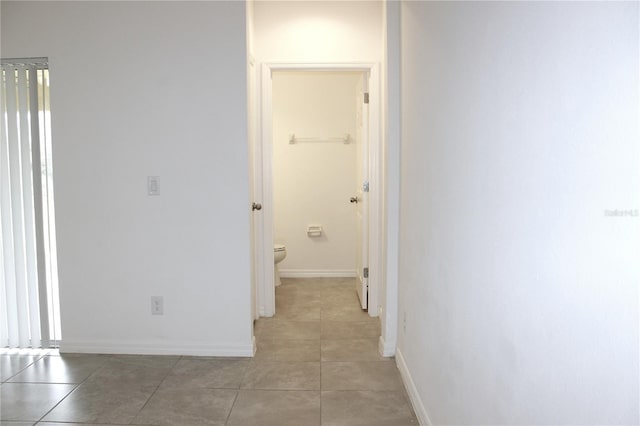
(279, 253)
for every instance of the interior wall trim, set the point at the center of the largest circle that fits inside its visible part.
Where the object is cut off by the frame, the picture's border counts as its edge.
(125, 347)
(410, 386)
(386, 347)
(318, 273)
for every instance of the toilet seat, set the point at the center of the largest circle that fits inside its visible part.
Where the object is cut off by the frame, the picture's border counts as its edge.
(278, 247)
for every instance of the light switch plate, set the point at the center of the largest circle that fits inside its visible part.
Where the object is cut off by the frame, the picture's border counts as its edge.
(153, 185)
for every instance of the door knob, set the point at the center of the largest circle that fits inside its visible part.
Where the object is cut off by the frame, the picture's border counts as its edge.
(256, 206)
(353, 200)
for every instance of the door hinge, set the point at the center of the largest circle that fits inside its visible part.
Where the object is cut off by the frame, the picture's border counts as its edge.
(365, 186)
(366, 97)
(365, 272)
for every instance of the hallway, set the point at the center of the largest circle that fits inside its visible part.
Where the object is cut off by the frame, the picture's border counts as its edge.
(320, 339)
(317, 363)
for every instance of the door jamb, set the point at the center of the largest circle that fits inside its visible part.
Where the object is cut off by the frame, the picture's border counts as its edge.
(266, 288)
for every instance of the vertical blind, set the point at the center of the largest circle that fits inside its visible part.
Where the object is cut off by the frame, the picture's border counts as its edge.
(24, 316)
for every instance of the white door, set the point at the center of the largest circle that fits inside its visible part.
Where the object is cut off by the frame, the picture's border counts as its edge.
(361, 198)
(255, 190)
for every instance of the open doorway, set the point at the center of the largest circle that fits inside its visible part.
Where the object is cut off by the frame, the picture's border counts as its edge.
(364, 175)
(319, 169)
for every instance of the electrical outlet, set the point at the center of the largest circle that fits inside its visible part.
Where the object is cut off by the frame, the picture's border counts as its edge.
(404, 322)
(157, 305)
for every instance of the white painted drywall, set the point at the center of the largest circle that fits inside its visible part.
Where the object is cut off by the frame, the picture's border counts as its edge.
(147, 88)
(391, 165)
(519, 129)
(318, 32)
(313, 181)
(257, 257)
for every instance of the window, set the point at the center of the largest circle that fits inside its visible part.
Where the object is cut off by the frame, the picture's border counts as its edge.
(29, 302)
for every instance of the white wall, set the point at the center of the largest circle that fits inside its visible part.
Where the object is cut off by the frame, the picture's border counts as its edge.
(390, 77)
(317, 32)
(519, 129)
(254, 158)
(147, 88)
(313, 181)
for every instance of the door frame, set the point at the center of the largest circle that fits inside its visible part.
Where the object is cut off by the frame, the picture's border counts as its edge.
(264, 172)
(255, 148)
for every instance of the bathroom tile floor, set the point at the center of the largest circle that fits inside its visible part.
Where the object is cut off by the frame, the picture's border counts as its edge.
(317, 363)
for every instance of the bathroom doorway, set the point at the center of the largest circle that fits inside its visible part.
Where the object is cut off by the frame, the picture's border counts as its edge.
(316, 143)
(320, 153)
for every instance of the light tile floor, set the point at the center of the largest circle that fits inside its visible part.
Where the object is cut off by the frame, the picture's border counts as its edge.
(317, 363)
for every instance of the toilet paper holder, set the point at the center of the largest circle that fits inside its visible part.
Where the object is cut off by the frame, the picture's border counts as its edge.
(314, 230)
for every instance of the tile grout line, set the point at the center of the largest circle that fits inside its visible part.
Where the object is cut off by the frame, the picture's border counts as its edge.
(226, 422)
(38, 358)
(156, 389)
(60, 402)
(77, 385)
(321, 363)
(323, 320)
(244, 373)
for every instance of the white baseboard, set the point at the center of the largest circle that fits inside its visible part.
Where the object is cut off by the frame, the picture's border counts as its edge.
(418, 406)
(157, 348)
(318, 273)
(386, 348)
